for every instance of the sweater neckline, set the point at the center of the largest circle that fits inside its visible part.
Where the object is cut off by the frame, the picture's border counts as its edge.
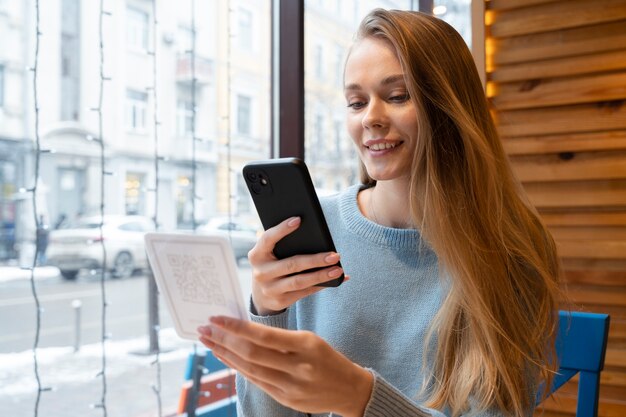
(357, 223)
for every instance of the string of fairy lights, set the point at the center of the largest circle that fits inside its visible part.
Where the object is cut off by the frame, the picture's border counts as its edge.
(102, 404)
(33, 191)
(156, 387)
(194, 137)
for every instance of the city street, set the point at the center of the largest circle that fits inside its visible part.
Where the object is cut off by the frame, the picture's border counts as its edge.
(72, 376)
(127, 314)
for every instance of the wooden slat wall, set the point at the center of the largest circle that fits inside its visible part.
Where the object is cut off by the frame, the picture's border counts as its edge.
(556, 79)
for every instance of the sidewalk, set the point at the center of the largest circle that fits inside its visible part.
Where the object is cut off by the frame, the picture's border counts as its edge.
(11, 273)
(76, 386)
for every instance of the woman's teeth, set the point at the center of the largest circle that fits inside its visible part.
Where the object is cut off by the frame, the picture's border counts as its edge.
(382, 146)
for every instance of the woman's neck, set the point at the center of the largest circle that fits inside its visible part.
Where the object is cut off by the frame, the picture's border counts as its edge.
(387, 203)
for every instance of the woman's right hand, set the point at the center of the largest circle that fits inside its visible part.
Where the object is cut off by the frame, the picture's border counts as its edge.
(278, 283)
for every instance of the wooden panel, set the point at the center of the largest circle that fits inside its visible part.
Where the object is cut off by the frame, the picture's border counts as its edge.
(583, 265)
(550, 68)
(588, 233)
(578, 194)
(570, 166)
(562, 120)
(545, 93)
(601, 218)
(554, 16)
(513, 4)
(583, 295)
(603, 278)
(609, 249)
(616, 357)
(588, 39)
(556, 74)
(613, 378)
(611, 401)
(574, 142)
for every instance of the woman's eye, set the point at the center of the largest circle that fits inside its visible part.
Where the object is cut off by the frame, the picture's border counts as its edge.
(356, 105)
(400, 98)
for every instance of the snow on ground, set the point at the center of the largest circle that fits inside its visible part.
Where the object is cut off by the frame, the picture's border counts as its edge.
(11, 273)
(61, 365)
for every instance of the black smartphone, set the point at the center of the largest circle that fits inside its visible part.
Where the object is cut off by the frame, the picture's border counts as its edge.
(282, 188)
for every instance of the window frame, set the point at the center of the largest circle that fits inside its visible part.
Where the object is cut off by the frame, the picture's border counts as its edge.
(132, 21)
(137, 106)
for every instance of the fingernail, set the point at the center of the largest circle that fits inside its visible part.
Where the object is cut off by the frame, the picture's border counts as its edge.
(205, 331)
(334, 273)
(294, 221)
(333, 258)
(217, 320)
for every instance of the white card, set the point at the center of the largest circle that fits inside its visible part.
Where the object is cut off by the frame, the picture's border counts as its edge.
(197, 276)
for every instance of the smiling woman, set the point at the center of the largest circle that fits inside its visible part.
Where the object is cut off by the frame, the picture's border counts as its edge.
(450, 304)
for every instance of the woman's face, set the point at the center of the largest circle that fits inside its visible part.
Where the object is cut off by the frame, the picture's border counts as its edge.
(382, 119)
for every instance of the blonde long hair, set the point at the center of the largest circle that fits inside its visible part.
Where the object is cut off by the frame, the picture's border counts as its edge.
(496, 327)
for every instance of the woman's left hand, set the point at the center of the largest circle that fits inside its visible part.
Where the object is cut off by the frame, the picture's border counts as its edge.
(297, 368)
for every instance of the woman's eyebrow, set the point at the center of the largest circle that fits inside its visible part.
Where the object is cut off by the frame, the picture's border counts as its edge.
(392, 79)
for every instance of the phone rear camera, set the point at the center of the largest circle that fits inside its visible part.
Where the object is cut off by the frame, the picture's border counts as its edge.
(252, 176)
(256, 188)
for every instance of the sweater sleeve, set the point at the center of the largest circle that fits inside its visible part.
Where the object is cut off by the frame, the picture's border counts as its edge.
(253, 401)
(387, 401)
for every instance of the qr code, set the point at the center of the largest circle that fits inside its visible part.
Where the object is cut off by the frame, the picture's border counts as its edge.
(197, 279)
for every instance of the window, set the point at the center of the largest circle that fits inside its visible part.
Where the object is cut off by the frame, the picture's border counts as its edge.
(136, 108)
(184, 118)
(244, 34)
(1, 85)
(135, 195)
(244, 104)
(457, 13)
(329, 30)
(70, 60)
(184, 40)
(136, 29)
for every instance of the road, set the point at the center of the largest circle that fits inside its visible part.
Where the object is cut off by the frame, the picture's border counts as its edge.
(126, 318)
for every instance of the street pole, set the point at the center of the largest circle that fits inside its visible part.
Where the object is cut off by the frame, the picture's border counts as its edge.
(153, 313)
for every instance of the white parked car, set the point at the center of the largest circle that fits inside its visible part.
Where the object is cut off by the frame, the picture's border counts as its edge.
(243, 236)
(79, 247)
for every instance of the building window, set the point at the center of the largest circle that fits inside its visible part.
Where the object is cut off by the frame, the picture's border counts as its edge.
(184, 118)
(136, 29)
(135, 196)
(70, 60)
(244, 104)
(136, 108)
(244, 34)
(184, 209)
(1, 85)
(185, 40)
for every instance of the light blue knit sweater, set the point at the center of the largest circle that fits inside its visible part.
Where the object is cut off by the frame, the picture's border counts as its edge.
(378, 319)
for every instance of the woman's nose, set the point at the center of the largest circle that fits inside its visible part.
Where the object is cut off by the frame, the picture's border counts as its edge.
(375, 115)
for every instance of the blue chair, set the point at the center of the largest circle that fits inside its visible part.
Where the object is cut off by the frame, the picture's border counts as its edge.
(581, 346)
(209, 388)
